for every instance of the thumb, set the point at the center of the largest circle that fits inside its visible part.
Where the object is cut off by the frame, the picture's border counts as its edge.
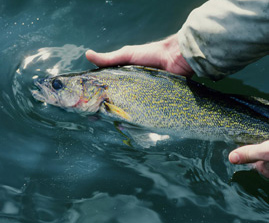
(250, 153)
(118, 57)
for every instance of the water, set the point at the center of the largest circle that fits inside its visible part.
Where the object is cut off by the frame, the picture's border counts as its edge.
(60, 167)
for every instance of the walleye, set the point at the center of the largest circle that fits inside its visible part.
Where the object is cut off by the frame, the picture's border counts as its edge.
(157, 99)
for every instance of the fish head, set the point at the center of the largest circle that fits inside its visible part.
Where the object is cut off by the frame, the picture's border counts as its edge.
(77, 93)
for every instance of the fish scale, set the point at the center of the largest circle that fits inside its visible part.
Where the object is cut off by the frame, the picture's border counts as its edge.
(157, 99)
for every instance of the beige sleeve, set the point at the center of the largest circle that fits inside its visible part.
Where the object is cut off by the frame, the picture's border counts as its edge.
(223, 36)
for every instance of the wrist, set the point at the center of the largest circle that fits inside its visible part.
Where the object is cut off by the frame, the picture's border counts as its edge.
(174, 59)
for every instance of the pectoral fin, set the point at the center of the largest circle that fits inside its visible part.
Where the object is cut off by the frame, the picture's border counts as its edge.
(117, 111)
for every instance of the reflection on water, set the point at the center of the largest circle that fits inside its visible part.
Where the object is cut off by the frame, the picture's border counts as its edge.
(65, 55)
(19, 206)
(131, 186)
(183, 179)
(61, 167)
(77, 168)
(119, 208)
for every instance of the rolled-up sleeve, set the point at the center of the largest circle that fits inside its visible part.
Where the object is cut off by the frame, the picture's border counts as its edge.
(223, 36)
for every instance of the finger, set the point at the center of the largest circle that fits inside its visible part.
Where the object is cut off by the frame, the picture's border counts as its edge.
(118, 57)
(250, 153)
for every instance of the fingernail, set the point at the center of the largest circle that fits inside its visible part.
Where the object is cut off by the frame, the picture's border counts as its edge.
(87, 52)
(234, 158)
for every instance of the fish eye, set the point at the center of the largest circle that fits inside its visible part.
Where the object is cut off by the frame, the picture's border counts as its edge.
(57, 84)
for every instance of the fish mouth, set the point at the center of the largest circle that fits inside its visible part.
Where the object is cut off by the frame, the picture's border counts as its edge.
(38, 94)
(43, 93)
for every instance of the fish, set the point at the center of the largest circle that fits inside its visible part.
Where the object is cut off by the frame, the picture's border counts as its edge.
(156, 99)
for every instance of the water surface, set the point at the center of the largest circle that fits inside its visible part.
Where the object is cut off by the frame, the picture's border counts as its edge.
(60, 167)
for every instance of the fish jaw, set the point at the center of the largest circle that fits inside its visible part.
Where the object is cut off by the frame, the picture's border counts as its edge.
(38, 96)
(45, 94)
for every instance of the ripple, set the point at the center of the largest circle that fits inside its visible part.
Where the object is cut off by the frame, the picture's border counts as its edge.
(46, 62)
(120, 208)
(182, 179)
(179, 172)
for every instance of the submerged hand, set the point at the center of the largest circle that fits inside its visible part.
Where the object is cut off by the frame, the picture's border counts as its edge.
(256, 154)
(163, 54)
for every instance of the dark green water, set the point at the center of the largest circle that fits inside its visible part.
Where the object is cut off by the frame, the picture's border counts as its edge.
(59, 167)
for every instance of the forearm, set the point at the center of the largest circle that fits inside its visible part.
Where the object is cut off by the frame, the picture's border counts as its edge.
(223, 36)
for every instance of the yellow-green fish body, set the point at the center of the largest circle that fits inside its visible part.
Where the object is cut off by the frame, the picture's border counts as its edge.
(154, 98)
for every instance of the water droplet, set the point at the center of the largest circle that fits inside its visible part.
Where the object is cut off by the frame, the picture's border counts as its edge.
(109, 2)
(18, 71)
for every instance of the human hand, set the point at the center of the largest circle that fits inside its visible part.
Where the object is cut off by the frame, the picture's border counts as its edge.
(258, 155)
(163, 54)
